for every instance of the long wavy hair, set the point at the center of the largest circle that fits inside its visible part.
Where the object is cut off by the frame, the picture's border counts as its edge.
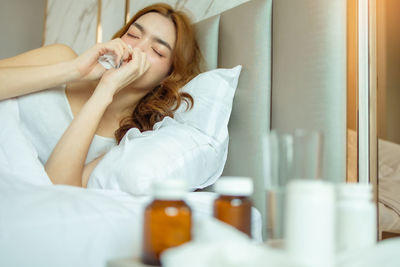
(165, 98)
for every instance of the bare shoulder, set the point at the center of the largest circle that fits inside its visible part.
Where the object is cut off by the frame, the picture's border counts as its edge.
(49, 54)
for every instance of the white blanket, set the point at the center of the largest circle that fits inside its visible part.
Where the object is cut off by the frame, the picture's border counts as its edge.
(46, 225)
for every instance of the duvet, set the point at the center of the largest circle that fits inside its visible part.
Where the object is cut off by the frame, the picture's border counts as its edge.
(54, 225)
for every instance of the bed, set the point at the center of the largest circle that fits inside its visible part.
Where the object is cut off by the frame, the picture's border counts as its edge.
(46, 225)
(389, 186)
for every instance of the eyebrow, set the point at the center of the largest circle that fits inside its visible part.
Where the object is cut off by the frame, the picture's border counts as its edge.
(157, 39)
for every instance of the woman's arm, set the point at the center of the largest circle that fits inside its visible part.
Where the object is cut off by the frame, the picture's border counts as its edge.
(44, 68)
(37, 69)
(66, 164)
(45, 55)
(16, 81)
(88, 169)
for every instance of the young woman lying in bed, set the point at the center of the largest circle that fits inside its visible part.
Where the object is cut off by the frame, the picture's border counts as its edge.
(74, 111)
(159, 55)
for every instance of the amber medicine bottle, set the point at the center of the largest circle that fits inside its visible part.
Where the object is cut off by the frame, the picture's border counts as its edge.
(233, 206)
(167, 220)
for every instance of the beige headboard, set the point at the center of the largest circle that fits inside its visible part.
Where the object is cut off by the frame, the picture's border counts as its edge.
(300, 83)
(244, 38)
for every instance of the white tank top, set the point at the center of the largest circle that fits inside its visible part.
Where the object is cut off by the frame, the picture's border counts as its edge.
(45, 116)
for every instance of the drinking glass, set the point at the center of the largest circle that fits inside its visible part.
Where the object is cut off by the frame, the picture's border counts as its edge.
(295, 155)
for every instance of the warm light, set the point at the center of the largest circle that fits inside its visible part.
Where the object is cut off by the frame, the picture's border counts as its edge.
(99, 31)
(363, 91)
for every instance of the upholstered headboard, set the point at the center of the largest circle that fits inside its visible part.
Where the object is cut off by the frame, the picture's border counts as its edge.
(242, 36)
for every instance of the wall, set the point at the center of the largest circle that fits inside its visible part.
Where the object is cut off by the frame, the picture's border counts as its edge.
(21, 26)
(352, 63)
(74, 22)
(352, 89)
(392, 71)
(309, 75)
(381, 68)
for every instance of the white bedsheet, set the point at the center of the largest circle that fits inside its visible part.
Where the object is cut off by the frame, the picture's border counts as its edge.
(70, 226)
(52, 225)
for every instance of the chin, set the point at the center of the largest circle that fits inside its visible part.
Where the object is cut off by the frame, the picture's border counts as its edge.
(138, 86)
(146, 83)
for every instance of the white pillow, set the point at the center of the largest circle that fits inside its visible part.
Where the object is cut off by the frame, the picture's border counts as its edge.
(213, 93)
(193, 146)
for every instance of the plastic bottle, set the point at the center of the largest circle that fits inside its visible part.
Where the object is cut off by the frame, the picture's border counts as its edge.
(310, 222)
(167, 220)
(356, 217)
(233, 206)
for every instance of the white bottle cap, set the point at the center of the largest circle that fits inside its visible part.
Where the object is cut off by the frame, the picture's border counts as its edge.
(234, 186)
(354, 191)
(310, 187)
(170, 189)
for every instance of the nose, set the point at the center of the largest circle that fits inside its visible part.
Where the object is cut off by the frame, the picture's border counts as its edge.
(142, 45)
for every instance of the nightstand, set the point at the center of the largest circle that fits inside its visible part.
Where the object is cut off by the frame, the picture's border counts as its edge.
(127, 263)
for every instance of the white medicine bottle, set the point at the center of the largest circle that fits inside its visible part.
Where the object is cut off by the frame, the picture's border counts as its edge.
(356, 224)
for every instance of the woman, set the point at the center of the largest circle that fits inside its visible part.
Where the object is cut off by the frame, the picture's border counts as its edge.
(159, 55)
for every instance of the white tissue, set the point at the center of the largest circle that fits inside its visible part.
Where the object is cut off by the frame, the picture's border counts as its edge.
(218, 244)
(107, 61)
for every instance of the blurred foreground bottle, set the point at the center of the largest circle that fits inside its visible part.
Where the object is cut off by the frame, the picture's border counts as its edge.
(356, 217)
(233, 206)
(310, 222)
(167, 220)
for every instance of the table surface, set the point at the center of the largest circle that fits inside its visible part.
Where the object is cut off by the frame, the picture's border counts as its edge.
(277, 243)
(127, 263)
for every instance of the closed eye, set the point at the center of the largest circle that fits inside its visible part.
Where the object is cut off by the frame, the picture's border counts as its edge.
(133, 36)
(158, 53)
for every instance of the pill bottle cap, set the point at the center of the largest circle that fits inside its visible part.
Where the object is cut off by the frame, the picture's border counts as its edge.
(354, 191)
(310, 187)
(170, 189)
(234, 186)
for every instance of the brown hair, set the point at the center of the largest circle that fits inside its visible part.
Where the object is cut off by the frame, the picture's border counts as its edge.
(165, 98)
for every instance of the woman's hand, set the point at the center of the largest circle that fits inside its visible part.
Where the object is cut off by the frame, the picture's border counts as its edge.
(132, 68)
(87, 66)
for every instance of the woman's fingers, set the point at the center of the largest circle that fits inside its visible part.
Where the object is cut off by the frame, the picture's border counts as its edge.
(136, 60)
(87, 63)
(118, 48)
(127, 54)
(121, 47)
(130, 71)
(139, 64)
(145, 63)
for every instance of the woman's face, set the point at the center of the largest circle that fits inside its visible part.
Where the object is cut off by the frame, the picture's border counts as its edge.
(155, 35)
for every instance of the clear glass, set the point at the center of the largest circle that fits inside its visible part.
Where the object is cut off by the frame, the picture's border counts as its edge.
(281, 162)
(294, 155)
(307, 163)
